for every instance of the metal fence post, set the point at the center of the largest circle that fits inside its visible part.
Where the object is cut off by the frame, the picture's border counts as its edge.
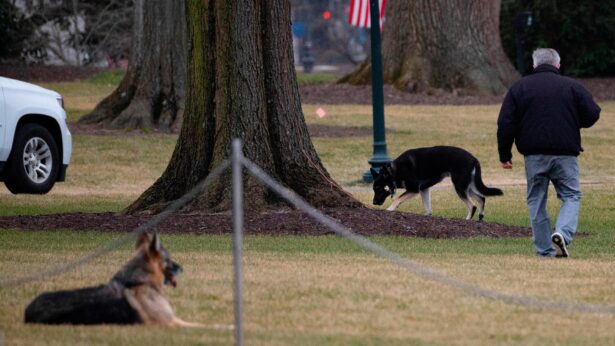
(237, 238)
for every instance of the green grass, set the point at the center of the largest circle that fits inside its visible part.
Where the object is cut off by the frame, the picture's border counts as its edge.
(316, 78)
(113, 77)
(326, 290)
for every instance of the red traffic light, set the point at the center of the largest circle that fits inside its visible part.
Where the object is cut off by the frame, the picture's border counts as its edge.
(326, 15)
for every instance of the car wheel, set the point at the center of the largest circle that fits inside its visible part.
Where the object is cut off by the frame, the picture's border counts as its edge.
(34, 163)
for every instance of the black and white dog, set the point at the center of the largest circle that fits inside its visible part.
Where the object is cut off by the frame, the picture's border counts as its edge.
(417, 170)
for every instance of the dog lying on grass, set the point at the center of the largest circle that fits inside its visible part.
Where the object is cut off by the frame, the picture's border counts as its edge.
(133, 295)
(417, 170)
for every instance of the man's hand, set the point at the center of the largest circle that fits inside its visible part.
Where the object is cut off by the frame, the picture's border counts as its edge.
(507, 165)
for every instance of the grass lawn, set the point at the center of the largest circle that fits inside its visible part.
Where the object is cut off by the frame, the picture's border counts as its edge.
(324, 290)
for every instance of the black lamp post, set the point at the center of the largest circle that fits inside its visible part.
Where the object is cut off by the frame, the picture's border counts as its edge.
(523, 21)
(307, 58)
(380, 156)
(306, 50)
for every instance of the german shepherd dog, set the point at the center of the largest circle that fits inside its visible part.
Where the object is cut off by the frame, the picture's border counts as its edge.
(417, 170)
(133, 295)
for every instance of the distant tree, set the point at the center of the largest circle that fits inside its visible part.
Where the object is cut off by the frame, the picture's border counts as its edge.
(69, 32)
(152, 91)
(242, 84)
(582, 31)
(12, 31)
(448, 44)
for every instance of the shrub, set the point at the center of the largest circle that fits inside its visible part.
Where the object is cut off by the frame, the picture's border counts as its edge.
(583, 32)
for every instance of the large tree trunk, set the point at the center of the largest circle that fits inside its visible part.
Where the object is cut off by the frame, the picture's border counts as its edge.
(152, 91)
(444, 44)
(242, 84)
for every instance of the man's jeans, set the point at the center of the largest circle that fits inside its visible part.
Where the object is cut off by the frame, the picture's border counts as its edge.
(563, 171)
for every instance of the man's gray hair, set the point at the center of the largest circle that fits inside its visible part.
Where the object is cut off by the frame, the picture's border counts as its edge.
(545, 56)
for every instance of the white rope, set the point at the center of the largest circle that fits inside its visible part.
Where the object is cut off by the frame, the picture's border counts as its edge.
(412, 266)
(116, 243)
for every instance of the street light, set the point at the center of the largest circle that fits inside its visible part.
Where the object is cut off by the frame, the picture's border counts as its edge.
(523, 21)
(306, 50)
(307, 58)
(380, 155)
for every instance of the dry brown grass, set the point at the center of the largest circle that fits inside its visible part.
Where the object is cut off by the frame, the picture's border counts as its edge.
(310, 298)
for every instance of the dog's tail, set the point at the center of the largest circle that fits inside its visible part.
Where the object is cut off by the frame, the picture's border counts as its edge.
(480, 186)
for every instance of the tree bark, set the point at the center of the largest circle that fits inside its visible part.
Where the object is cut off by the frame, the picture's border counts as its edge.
(153, 90)
(242, 84)
(443, 44)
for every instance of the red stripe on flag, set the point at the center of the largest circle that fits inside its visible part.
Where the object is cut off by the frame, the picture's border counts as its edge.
(359, 13)
(351, 11)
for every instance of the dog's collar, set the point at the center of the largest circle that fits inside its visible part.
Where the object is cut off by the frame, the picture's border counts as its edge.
(392, 189)
(125, 283)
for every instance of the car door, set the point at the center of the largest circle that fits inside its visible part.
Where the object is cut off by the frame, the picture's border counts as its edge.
(3, 146)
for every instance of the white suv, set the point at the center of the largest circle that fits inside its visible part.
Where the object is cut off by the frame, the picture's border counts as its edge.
(35, 143)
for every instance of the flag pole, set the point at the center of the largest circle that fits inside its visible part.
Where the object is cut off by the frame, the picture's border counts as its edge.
(380, 155)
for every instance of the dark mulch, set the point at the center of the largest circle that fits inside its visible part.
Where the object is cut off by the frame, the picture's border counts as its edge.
(364, 221)
(601, 88)
(40, 73)
(362, 95)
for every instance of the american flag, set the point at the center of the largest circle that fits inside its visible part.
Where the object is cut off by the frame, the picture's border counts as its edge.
(359, 13)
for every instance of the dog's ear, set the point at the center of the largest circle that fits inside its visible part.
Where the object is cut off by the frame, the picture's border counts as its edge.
(374, 173)
(386, 169)
(142, 240)
(154, 245)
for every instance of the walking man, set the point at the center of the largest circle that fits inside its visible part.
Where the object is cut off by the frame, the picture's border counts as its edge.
(542, 114)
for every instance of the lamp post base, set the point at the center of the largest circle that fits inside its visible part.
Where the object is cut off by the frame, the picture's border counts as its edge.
(377, 161)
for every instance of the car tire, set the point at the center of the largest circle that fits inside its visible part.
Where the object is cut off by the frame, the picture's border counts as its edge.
(34, 162)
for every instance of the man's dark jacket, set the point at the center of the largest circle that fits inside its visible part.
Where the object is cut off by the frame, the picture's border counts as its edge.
(543, 114)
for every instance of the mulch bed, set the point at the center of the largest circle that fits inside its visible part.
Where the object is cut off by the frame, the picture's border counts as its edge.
(601, 88)
(40, 73)
(362, 95)
(365, 221)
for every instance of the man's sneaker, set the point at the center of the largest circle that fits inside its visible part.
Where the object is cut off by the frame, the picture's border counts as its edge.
(560, 245)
